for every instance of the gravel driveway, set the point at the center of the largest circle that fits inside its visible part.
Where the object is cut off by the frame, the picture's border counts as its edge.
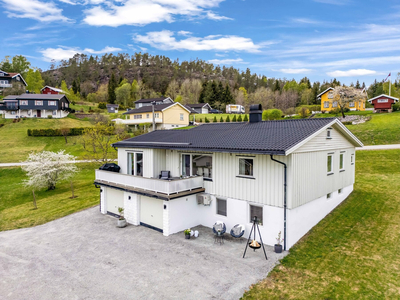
(84, 256)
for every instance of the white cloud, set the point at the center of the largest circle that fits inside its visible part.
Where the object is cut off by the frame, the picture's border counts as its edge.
(227, 61)
(349, 73)
(165, 40)
(184, 33)
(295, 71)
(67, 52)
(34, 9)
(305, 21)
(137, 12)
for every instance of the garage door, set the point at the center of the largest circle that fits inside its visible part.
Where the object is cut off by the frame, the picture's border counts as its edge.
(115, 199)
(151, 212)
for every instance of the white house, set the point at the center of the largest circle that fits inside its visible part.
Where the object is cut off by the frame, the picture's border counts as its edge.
(290, 174)
(200, 108)
(157, 101)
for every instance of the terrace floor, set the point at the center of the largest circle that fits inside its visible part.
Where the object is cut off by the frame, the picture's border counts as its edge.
(85, 256)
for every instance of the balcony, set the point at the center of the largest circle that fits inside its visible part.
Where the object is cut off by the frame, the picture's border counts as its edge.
(154, 187)
(140, 121)
(5, 85)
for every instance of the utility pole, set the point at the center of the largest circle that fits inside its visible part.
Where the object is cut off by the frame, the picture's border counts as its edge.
(390, 82)
(154, 119)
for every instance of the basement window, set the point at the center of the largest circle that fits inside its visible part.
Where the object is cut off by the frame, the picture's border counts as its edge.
(339, 191)
(221, 207)
(328, 196)
(256, 211)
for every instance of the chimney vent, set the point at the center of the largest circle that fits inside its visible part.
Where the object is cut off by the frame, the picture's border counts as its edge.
(255, 113)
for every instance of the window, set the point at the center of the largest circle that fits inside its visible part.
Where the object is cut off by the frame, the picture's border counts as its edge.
(246, 166)
(135, 163)
(54, 112)
(326, 104)
(334, 104)
(256, 211)
(181, 117)
(330, 95)
(137, 116)
(351, 104)
(156, 115)
(339, 191)
(341, 162)
(66, 105)
(17, 78)
(328, 196)
(24, 102)
(221, 207)
(352, 158)
(197, 164)
(147, 116)
(52, 103)
(62, 105)
(328, 134)
(38, 102)
(330, 163)
(13, 112)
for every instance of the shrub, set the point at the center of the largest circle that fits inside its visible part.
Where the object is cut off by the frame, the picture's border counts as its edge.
(234, 118)
(227, 119)
(55, 132)
(73, 102)
(347, 123)
(221, 120)
(290, 111)
(102, 105)
(215, 119)
(206, 120)
(396, 107)
(200, 120)
(304, 112)
(240, 118)
(246, 118)
(49, 117)
(272, 114)
(335, 111)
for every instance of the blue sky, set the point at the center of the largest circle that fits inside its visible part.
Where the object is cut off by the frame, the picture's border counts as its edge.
(320, 39)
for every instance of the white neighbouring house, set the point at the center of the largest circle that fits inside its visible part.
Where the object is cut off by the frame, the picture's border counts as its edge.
(289, 173)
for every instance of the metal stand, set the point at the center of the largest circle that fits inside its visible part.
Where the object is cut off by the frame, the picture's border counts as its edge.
(255, 223)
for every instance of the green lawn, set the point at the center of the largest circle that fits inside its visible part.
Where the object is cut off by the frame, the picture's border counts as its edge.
(16, 205)
(354, 252)
(16, 144)
(210, 117)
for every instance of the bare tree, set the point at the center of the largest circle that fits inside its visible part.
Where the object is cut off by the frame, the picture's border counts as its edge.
(65, 132)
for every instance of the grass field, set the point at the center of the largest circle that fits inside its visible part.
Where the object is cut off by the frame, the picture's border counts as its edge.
(16, 144)
(354, 252)
(210, 117)
(16, 206)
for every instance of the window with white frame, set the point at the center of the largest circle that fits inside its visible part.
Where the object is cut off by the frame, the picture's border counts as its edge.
(13, 112)
(23, 102)
(181, 117)
(137, 116)
(38, 102)
(52, 103)
(246, 167)
(328, 134)
(66, 104)
(197, 164)
(330, 163)
(135, 163)
(341, 161)
(221, 207)
(156, 115)
(54, 112)
(17, 78)
(256, 211)
(352, 159)
(351, 104)
(334, 104)
(326, 104)
(330, 95)
(147, 116)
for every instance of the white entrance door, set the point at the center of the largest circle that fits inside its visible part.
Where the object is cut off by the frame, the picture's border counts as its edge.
(151, 212)
(114, 199)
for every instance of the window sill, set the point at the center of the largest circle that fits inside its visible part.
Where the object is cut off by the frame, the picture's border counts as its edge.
(342, 170)
(246, 177)
(207, 179)
(328, 138)
(330, 173)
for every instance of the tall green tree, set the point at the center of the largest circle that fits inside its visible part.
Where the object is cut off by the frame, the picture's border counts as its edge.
(203, 93)
(112, 85)
(123, 94)
(74, 87)
(34, 80)
(135, 90)
(227, 97)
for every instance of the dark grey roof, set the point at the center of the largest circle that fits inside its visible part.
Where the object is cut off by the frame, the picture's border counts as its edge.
(192, 111)
(151, 100)
(112, 105)
(10, 97)
(197, 105)
(267, 137)
(145, 109)
(36, 97)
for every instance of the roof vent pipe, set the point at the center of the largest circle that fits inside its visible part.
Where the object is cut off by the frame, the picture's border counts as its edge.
(255, 113)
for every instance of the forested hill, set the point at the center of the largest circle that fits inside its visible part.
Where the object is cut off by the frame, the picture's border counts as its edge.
(186, 81)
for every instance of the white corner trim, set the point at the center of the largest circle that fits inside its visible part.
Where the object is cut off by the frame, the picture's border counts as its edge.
(176, 103)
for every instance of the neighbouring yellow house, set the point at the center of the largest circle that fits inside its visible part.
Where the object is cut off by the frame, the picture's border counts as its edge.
(167, 116)
(328, 104)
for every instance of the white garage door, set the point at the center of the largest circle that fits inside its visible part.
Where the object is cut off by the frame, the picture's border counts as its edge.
(115, 199)
(151, 212)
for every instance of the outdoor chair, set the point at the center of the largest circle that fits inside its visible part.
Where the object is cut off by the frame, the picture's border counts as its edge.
(219, 226)
(237, 231)
(165, 175)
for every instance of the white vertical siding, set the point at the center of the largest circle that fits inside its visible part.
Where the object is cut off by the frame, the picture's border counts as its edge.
(159, 161)
(148, 160)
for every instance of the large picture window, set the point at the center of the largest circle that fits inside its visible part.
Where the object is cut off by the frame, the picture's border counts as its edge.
(246, 167)
(256, 211)
(135, 164)
(197, 164)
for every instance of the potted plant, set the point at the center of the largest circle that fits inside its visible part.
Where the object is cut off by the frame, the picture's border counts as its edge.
(121, 220)
(278, 246)
(187, 233)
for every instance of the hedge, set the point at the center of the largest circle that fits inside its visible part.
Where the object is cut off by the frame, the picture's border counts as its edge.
(55, 132)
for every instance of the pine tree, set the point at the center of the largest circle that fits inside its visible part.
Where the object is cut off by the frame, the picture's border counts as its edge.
(215, 119)
(221, 120)
(358, 86)
(203, 92)
(74, 87)
(112, 84)
(240, 118)
(227, 97)
(277, 86)
(227, 119)
(220, 92)
(234, 118)
(246, 118)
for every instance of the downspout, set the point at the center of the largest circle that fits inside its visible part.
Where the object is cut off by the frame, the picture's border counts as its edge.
(284, 200)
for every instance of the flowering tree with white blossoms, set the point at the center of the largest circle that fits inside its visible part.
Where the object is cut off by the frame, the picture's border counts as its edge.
(46, 168)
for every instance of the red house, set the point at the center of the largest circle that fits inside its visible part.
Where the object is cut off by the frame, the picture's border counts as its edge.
(51, 90)
(383, 103)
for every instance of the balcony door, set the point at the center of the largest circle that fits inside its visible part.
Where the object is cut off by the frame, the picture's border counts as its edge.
(135, 164)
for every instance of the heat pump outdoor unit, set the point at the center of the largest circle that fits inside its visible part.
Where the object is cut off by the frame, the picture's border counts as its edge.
(204, 199)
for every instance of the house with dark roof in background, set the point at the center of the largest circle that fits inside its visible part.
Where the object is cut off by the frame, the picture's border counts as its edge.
(35, 106)
(166, 115)
(288, 173)
(8, 79)
(157, 101)
(200, 108)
